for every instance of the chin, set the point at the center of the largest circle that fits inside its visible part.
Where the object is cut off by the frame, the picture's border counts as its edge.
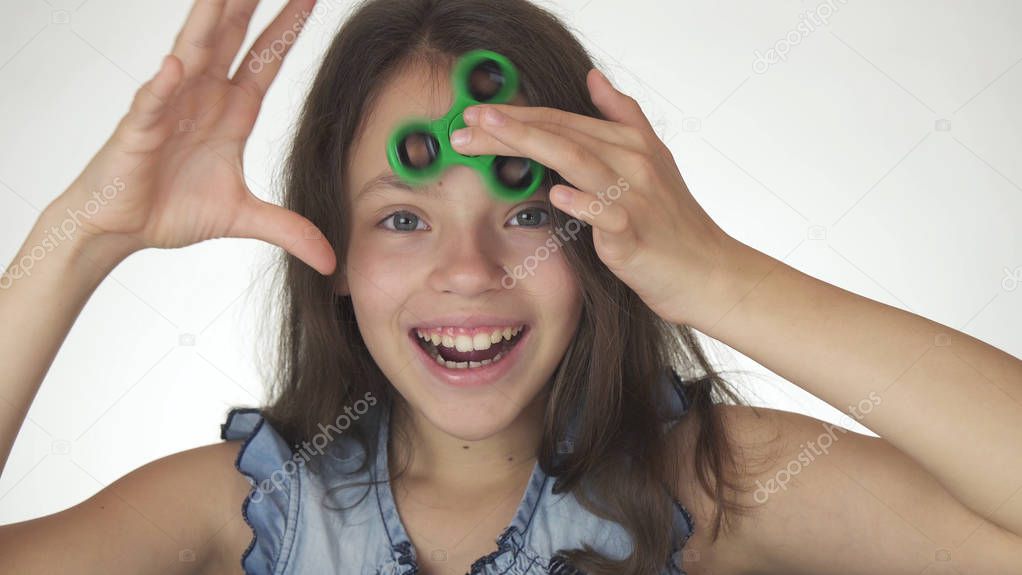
(472, 418)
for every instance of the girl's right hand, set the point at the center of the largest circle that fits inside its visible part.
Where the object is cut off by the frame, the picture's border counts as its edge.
(171, 173)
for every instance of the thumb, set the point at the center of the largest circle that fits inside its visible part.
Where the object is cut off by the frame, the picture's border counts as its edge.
(286, 229)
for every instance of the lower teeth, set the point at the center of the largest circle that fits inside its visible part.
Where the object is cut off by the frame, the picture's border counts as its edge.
(466, 364)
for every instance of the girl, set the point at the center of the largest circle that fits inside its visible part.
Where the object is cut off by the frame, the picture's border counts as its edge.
(560, 418)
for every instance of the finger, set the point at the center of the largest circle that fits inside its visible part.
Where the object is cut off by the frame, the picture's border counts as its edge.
(595, 127)
(580, 160)
(231, 33)
(288, 230)
(600, 213)
(264, 60)
(194, 43)
(615, 105)
(151, 98)
(481, 142)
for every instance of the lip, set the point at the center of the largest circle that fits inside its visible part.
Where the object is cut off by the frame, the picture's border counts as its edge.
(472, 376)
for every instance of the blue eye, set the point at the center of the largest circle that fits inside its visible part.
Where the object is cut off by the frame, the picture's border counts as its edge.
(531, 220)
(404, 219)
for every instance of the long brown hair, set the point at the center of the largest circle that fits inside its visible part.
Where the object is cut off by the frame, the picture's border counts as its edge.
(622, 460)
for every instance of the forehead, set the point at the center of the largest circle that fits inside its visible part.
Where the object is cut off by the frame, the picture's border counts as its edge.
(419, 89)
(416, 90)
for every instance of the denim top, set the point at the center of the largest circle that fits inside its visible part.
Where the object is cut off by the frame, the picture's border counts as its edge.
(296, 531)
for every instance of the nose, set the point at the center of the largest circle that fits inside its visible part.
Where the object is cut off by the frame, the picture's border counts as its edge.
(467, 264)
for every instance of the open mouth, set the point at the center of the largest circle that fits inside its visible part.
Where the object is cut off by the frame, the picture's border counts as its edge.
(467, 352)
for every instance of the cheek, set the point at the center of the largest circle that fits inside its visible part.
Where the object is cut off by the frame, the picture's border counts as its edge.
(376, 266)
(378, 283)
(566, 294)
(543, 266)
(548, 279)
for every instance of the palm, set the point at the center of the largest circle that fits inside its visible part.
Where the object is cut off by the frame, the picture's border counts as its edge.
(196, 198)
(173, 168)
(197, 191)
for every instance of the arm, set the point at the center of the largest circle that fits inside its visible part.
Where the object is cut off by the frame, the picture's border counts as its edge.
(163, 187)
(178, 515)
(939, 393)
(947, 400)
(48, 294)
(828, 500)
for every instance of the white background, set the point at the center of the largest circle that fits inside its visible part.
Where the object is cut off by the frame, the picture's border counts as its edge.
(882, 155)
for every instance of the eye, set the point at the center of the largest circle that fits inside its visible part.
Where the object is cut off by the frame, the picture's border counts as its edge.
(532, 217)
(405, 221)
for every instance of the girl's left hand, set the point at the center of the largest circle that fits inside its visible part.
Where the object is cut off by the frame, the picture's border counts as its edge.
(647, 227)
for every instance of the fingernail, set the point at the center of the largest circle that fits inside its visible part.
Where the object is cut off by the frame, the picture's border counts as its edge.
(471, 114)
(461, 137)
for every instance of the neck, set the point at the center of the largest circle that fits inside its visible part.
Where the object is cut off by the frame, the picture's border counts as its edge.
(438, 458)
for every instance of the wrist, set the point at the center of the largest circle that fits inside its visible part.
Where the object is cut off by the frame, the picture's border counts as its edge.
(740, 269)
(63, 227)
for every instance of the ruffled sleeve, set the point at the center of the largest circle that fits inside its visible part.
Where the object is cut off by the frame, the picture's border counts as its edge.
(271, 507)
(684, 527)
(674, 405)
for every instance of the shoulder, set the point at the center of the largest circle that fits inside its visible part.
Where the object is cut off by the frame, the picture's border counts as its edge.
(202, 485)
(753, 437)
(231, 535)
(204, 481)
(180, 513)
(763, 443)
(823, 498)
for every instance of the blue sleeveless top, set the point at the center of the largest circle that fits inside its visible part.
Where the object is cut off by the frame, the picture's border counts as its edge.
(299, 528)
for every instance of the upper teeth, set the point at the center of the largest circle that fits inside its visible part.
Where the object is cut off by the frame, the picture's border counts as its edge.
(464, 342)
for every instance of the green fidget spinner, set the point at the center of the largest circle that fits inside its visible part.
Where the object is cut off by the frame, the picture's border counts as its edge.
(419, 150)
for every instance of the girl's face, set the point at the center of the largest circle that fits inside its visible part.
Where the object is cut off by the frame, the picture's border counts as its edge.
(435, 257)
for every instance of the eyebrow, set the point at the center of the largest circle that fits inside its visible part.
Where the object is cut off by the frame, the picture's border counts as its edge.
(387, 178)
